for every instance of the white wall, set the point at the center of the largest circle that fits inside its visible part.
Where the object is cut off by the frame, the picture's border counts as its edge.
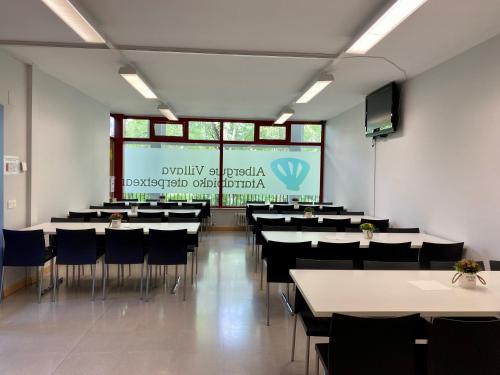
(348, 165)
(70, 135)
(440, 171)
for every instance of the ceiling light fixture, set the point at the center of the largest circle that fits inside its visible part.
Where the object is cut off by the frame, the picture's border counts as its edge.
(284, 115)
(136, 81)
(72, 17)
(167, 111)
(383, 25)
(315, 87)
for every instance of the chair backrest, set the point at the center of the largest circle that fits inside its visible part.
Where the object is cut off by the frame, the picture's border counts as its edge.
(353, 230)
(261, 221)
(99, 220)
(130, 200)
(114, 204)
(353, 213)
(142, 204)
(67, 220)
(390, 252)
(106, 215)
(300, 221)
(167, 205)
(281, 258)
(258, 202)
(403, 230)
(381, 224)
(305, 228)
(337, 251)
(279, 228)
(326, 203)
(151, 215)
(495, 265)
(388, 266)
(76, 246)
(336, 210)
(145, 220)
(182, 214)
(23, 248)
(302, 207)
(177, 200)
(284, 207)
(440, 252)
(86, 216)
(167, 246)
(340, 224)
(171, 219)
(461, 347)
(376, 346)
(437, 265)
(305, 202)
(124, 246)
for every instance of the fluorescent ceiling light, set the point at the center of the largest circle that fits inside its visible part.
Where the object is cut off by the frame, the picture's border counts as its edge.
(315, 88)
(285, 114)
(67, 12)
(167, 112)
(137, 82)
(388, 21)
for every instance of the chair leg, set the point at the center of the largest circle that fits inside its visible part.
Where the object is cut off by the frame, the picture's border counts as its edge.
(148, 276)
(67, 275)
(196, 257)
(192, 268)
(54, 282)
(105, 275)
(267, 303)
(79, 270)
(40, 282)
(92, 271)
(294, 335)
(123, 274)
(317, 364)
(261, 273)
(2, 269)
(142, 277)
(129, 270)
(308, 343)
(185, 282)
(256, 258)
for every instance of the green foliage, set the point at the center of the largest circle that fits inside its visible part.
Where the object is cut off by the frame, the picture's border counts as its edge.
(239, 131)
(467, 266)
(367, 226)
(272, 132)
(312, 133)
(136, 128)
(309, 209)
(204, 130)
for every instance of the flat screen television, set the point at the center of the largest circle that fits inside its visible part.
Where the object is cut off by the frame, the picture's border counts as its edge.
(381, 116)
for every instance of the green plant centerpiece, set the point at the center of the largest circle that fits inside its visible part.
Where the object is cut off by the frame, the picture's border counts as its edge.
(309, 212)
(115, 220)
(368, 229)
(134, 208)
(295, 202)
(467, 273)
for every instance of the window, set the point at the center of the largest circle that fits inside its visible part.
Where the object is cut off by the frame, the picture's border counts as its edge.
(136, 128)
(306, 133)
(239, 131)
(277, 133)
(112, 127)
(169, 130)
(204, 130)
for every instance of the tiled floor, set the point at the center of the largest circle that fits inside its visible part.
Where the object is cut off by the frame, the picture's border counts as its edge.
(220, 329)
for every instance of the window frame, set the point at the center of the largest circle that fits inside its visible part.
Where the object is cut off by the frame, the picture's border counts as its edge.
(119, 140)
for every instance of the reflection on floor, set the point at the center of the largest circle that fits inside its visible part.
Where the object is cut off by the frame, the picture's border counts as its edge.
(220, 329)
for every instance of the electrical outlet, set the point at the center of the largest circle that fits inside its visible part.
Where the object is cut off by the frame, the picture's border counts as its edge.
(11, 203)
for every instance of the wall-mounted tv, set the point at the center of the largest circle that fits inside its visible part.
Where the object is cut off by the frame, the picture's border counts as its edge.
(382, 107)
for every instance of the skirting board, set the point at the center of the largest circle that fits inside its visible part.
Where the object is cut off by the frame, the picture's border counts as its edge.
(18, 285)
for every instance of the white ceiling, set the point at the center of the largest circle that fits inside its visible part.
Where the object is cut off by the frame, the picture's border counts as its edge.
(242, 86)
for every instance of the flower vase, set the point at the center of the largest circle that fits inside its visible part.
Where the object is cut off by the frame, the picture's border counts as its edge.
(467, 280)
(368, 234)
(308, 214)
(116, 223)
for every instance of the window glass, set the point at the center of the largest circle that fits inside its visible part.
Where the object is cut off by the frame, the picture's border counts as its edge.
(306, 133)
(169, 130)
(135, 128)
(239, 131)
(111, 126)
(272, 132)
(204, 130)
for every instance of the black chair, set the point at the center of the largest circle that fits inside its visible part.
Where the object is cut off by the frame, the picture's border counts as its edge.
(66, 220)
(86, 216)
(305, 202)
(340, 224)
(327, 204)
(354, 229)
(440, 252)
(390, 252)
(26, 248)
(77, 247)
(284, 207)
(177, 200)
(318, 229)
(280, 258)
(279, 228)
(462, 347)
(313, 327)
(353, 213)
(123, 247)
(183, 219)
(302, 207)
(144, 220)
(448, 265)
(168, 205)
(182, 214)
(167, 247)
(301, 221)
(99, 220)
(106, 215)
(336, 251)
(331, 209)
(256, 202)
(130, 200)
(380, 224)
(375, 346)
(151, 215)
(114, 204)
(495, 265)
(403, 230)
(389, 266)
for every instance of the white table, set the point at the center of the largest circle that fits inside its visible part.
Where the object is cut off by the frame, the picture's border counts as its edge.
(355, 219)
(416, 239)
(50, 228)
(130, 214)
(271, 205)
(392, 293)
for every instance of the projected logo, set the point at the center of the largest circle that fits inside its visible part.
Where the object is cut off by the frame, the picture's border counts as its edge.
(291, 171)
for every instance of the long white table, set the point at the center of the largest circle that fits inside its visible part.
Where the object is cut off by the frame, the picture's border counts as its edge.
(166, 211)
(50, 228)
(394, 293)
(355, 219)
(271, 205)
(416, 239)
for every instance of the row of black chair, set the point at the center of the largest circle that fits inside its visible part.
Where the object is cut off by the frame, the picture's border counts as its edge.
(88, 216)
(81, 247)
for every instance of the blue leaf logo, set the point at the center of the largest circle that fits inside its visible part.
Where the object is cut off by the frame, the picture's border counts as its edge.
(291, 171)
